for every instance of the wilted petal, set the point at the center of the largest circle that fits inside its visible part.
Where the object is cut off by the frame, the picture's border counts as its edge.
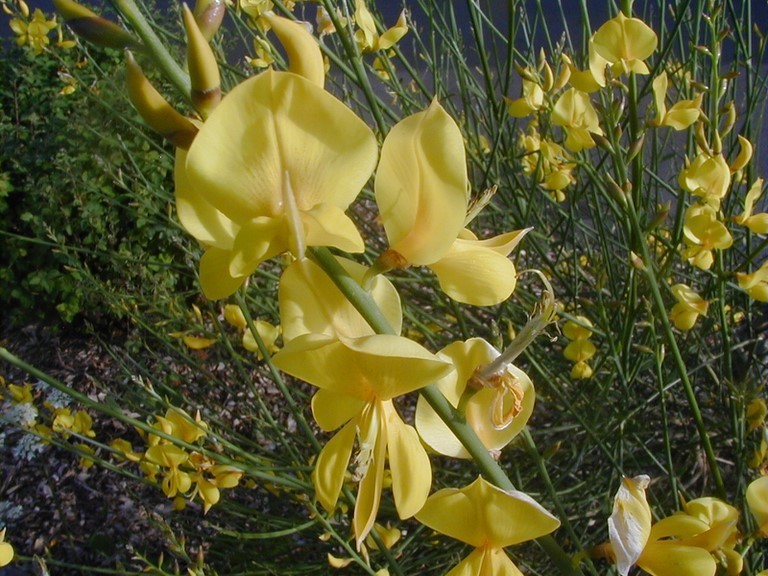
(629, 526)
(409, 464)
(421, 185)
(311, 302)
(331, 466)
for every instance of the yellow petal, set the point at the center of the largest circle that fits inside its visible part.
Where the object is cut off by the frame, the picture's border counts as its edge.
(671, 559)
(629, 526)
(409, 464)
(201, 219)
(215, 278)
(331, 410)
(466, 357)
(369, 368)
(625, 39)
(256, 241)
(483, 515)
(479, 411)
(331, 466)
(369, 490)
(659, 95)
(304, 55)
(6, 553)
(393, 34)
(198, 343)
(328, 225)
(311, 302)
(486, 562)
(421, 185)
(745, 155)
(264, 131)
(707, 176)
(474, 274)
(757, 500)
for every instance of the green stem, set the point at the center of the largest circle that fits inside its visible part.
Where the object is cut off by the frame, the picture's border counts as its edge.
(490, 469)
(677, 356)
(160, 55)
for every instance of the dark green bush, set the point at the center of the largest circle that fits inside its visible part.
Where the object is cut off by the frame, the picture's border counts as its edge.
(86, 217)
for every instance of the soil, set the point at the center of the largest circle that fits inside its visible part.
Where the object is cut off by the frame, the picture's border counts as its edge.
(53, 507)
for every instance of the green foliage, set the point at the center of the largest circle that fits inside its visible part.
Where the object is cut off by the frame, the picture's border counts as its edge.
(85, 194)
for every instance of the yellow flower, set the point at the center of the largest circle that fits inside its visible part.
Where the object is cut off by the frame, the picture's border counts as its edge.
(496, 408)
(267, 173)
(708, 176)
(209, 477)
(358, 378)
(531, 101)
(591, 79)
(181, 425)
(169, 456)
(488, 518)
(422, 191)
(6, 550)
(368, 38)
(756, 413)
(575, 113)
(756, 283)
(681, 115)
(680, 545)
(703, 233)
(311, 303)
(758, 503)
(234, 316)
(688, 308)
(548, 162)
(268, 333)
(625, 43)
(757, 223)
(34, 32)
(21, 394)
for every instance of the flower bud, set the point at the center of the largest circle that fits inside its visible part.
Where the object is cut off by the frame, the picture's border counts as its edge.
(203, 68)
(209, 15)
(155, 110)
(92, 27)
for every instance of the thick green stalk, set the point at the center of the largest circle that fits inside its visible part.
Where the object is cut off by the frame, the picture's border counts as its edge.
(160, 55)
(490, 469)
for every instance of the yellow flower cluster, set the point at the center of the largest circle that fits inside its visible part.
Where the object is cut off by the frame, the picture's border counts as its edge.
(580, 349)
(266, 175)
(48, 419)
(178, 469)
(33, 30)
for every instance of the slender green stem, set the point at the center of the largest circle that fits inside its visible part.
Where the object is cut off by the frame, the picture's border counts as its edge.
(677, 356)
(160, 55)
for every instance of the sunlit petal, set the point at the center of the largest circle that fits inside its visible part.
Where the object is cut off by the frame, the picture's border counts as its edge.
(331, 466)
(421, 185)
(629, 526)
(409, 464)
(311, 302)
(331, 410)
